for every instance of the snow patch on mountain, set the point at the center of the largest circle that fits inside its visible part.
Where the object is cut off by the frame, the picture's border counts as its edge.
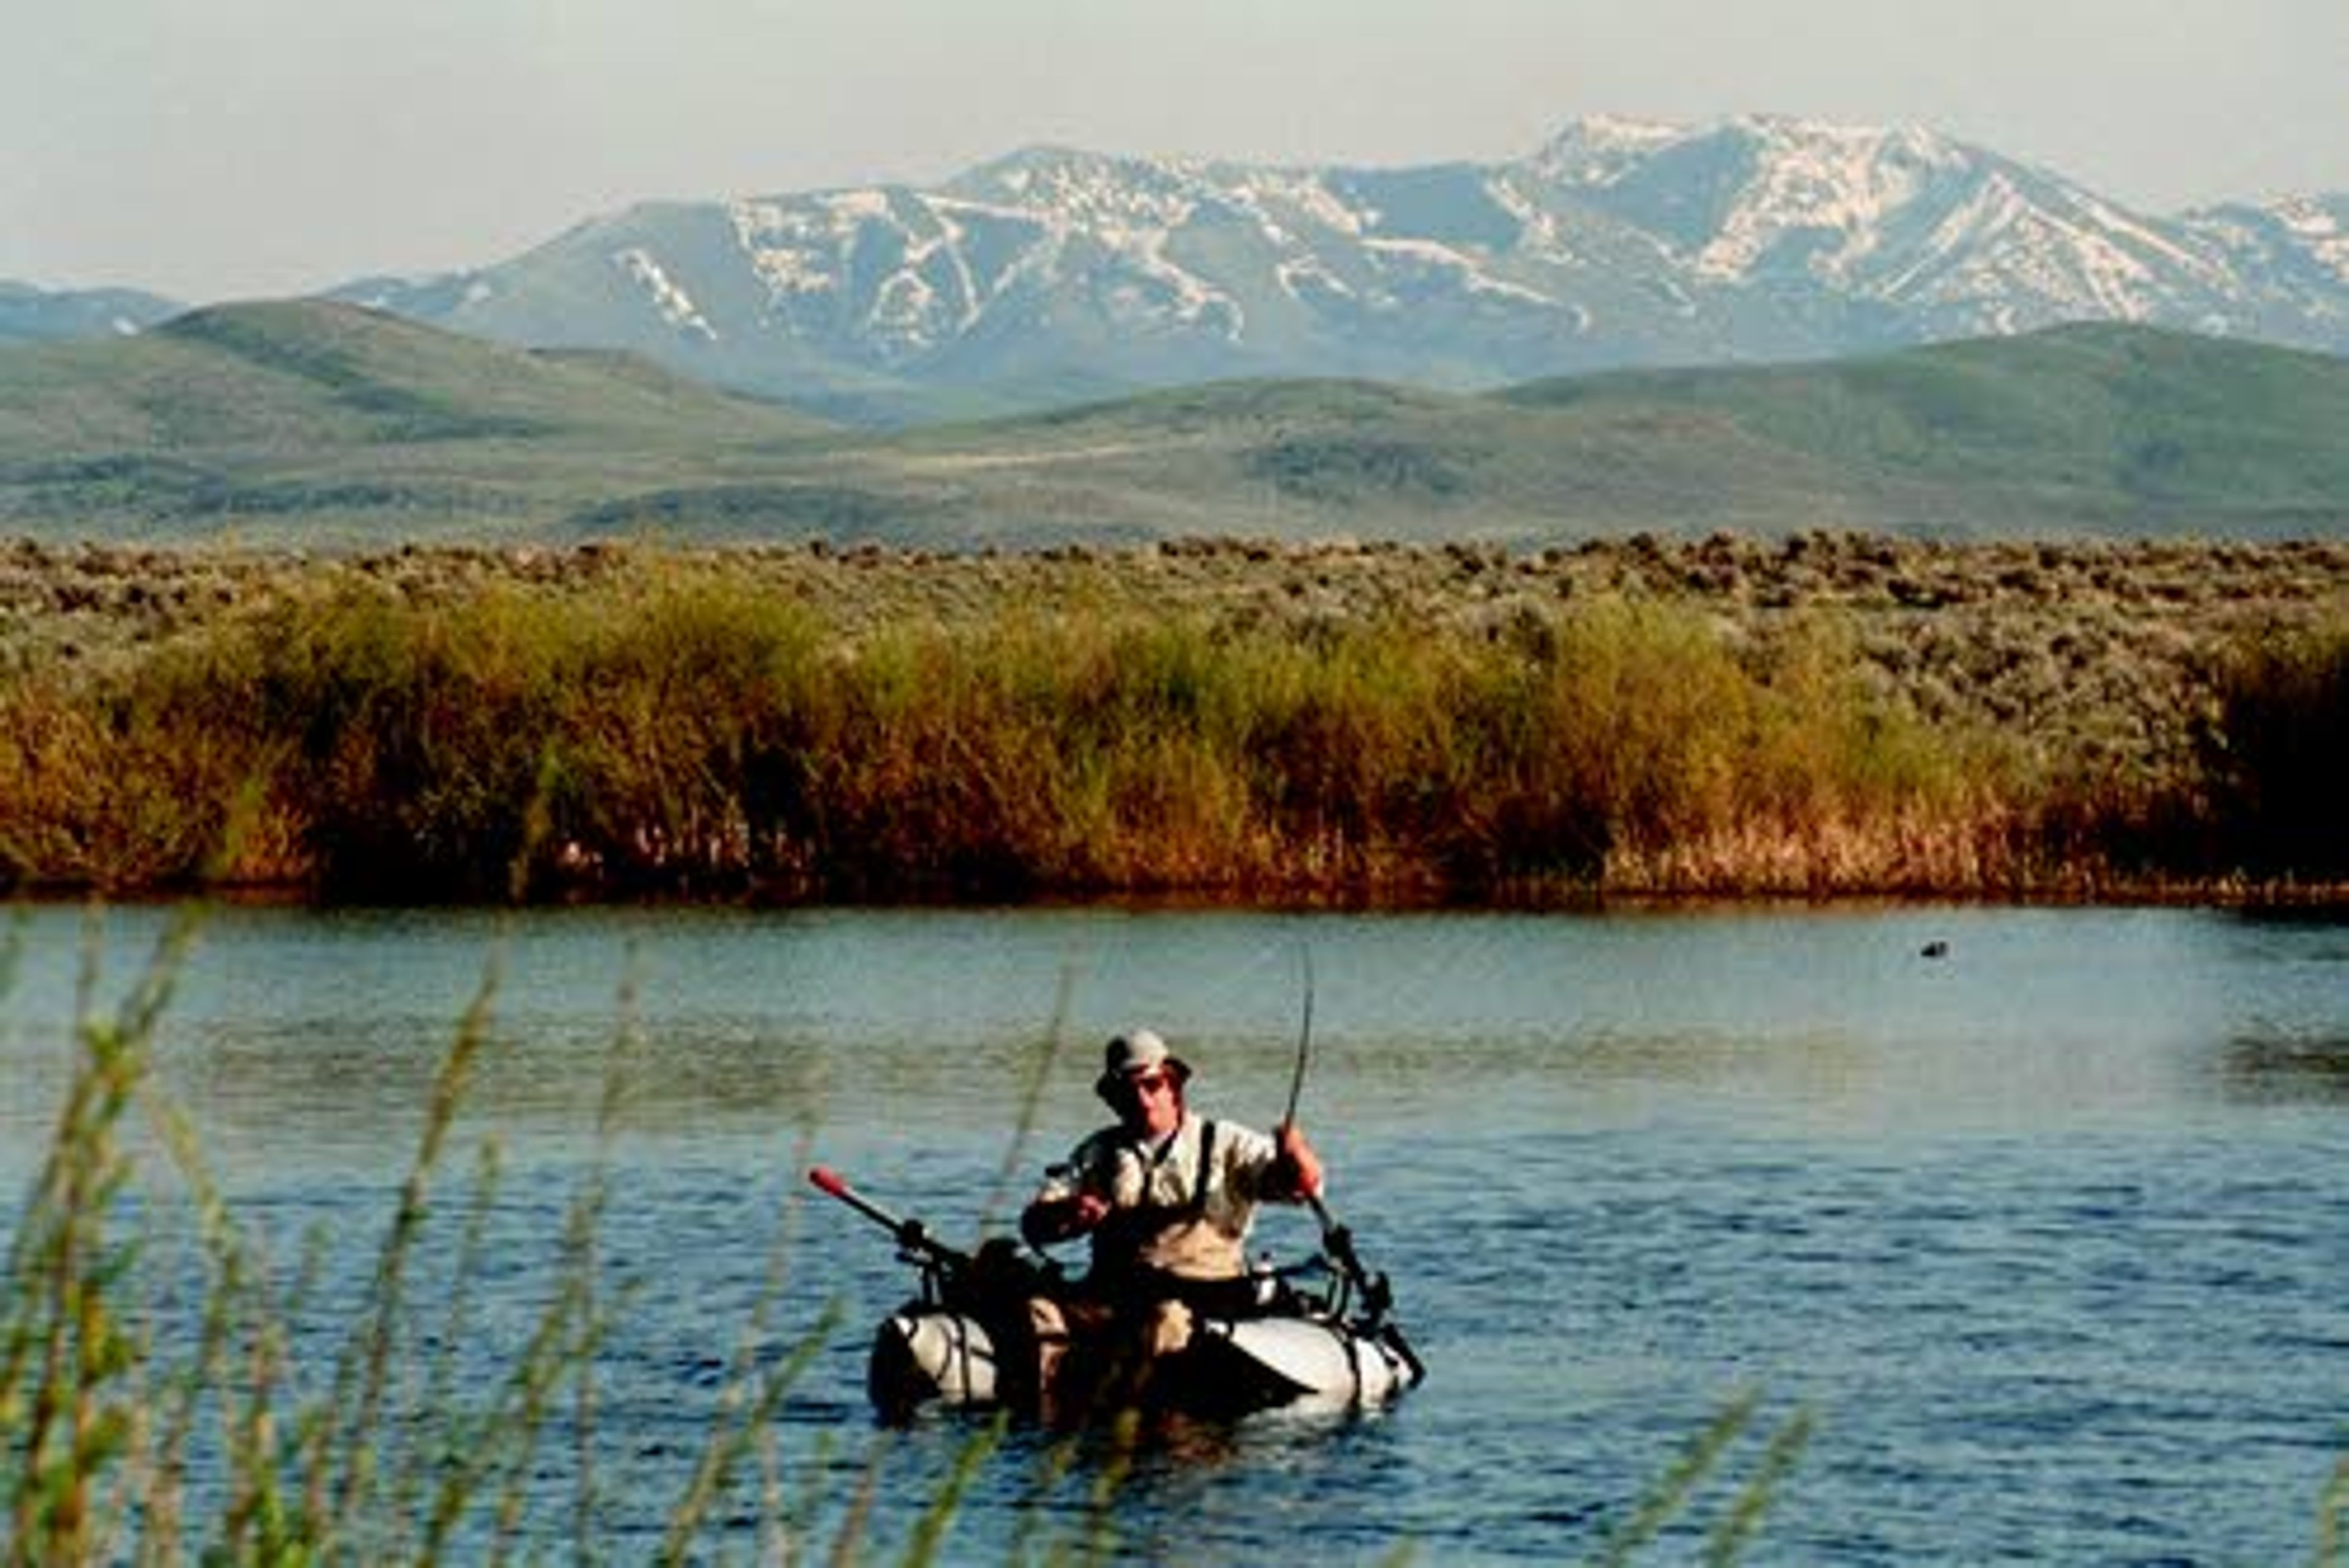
(1098, 192)
(676, 307)
(1191, 299)
(1416, 260)
(907, 312)
(1599, 149)
(1307, 279)
(2321, 228)
(1540, 235)
(1827, 189)
(2009, 258)
(1309, 196)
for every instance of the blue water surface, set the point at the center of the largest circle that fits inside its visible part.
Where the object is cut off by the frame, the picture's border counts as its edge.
(2038, 1239)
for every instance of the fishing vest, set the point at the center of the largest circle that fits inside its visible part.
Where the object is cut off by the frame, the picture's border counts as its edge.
(1201, 1235)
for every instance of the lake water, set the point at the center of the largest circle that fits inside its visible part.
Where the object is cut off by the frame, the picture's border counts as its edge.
(2044, 1235)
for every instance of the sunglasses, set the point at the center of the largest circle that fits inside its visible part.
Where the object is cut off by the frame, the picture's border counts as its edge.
(1150, 1083)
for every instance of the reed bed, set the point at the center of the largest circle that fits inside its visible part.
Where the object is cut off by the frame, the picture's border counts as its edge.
(646, 725)
(2278, 757)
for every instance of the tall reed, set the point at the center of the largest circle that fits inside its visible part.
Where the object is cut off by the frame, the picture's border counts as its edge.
(674, 730)
(2278, 756)
(226, 1437)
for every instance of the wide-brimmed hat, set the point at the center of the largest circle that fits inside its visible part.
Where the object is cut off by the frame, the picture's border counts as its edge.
(1136, 1051)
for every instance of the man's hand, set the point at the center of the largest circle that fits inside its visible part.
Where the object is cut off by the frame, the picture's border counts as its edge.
(1059, 1219)
(1301, 1166)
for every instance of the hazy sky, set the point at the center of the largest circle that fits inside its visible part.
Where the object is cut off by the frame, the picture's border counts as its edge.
(209, 148)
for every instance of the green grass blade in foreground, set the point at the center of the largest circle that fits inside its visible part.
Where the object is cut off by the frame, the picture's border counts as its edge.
(70, 1411)
(1669, 1494)
(2331, 1510)
(1743, 1515)
(930, 1530)
(753, 1394)
(344, 1475)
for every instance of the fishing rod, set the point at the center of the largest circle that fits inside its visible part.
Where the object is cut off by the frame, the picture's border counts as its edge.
(1303, 1040)
(1374, 1291)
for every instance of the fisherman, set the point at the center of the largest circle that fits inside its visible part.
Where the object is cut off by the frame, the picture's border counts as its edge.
(1167, 1198)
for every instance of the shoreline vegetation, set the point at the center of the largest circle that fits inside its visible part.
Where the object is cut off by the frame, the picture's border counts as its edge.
(1822, 715)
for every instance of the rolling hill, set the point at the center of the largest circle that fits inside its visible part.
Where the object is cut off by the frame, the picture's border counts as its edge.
(2117, 429)
(30, 315)
(318, 421)
(323, 424)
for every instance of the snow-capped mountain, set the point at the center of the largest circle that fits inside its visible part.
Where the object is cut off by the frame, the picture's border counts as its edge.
(1055, 274)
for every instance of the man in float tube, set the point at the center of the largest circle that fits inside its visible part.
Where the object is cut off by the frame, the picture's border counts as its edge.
(1167, 1198)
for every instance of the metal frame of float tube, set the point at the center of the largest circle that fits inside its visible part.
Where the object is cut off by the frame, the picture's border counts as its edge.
(915, 1245)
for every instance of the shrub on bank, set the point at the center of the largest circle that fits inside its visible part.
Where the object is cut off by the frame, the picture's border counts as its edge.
(677, 732)
(2278, 757)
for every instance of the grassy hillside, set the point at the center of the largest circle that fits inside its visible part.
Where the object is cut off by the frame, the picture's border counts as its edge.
(2084, 431)
(2112, 425)
(314, 419)
(316, 423)
(1298, 459)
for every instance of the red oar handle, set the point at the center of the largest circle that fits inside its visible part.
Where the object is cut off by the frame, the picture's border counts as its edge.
(909, 1233)
(832, 1183)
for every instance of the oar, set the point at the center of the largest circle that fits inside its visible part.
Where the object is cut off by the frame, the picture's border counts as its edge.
(1376, 1295)
(912, 1237)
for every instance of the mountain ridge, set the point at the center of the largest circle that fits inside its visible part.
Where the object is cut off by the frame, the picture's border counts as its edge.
(1056, 275)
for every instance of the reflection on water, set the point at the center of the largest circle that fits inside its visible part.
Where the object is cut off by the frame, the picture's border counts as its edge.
(317, 1027)
(2270, 1070)
(2040, 1228)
